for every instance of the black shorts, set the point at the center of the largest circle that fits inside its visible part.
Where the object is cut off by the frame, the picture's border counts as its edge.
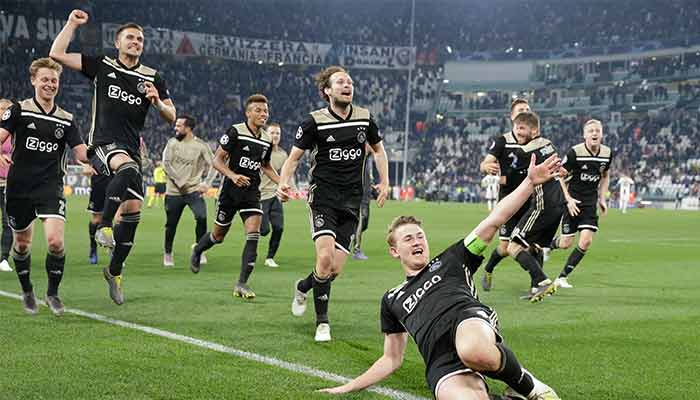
(586, 219)
(445, 361)
(538, 227)
(98, 189)
(232, 201)
(507, 229)
(341, 223)
(21, 212)
(100, 155)
(160, 188)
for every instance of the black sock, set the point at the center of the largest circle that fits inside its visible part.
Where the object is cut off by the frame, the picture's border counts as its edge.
(205, 243)
(555, 243)
(539, 255)
(275, 240)
(529, 263)
(306, 284)
(322, 294)
(54, 270)
(124, 234)
(250, 253)
(92, 228)
(511, 372)
(495, 258)
(23, 266)
(574, 258)
(127, 175)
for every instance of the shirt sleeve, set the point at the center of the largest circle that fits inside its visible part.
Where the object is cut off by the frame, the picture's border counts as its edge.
(374, 136)
(569, 162)
(9, 119)
(228, 140)
(498, 144)
(459, 251)
(161, 86)
(607, 166)
(73, 135)
(388, 320)
(306, 134)
(90, 65)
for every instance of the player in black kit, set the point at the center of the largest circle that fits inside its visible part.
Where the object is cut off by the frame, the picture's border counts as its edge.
(244, 151)
(336, 137)
(437, 305)
(539, 224)
(503, 159)
(41, 132)
(588, 166)
(124, 91)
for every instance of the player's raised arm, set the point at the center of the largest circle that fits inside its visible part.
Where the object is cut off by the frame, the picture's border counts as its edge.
(287, 172)
(60, 44)
(509, 205)
(390, 361)
(382, 162)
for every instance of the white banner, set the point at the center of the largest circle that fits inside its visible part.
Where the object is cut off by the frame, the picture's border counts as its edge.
(166, 41)
(384, 57)
(18, 26)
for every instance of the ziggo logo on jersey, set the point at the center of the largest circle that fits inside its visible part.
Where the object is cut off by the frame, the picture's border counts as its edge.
(116, 92)
(246, 162)
(412, 301)
(337, 154)
(36, 144)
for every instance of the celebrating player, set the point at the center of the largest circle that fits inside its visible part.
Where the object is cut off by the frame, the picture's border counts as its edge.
(124, 92)
(244, 151)
(588, 164)
(437, 305)
(337, 136)
(41, 131)
(185, 160)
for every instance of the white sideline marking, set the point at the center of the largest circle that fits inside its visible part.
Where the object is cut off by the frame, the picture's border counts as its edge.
(298, 368)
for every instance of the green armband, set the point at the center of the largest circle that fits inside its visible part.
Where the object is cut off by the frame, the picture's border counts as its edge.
(474, 244)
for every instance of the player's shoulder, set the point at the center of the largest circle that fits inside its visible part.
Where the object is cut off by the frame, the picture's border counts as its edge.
(63, 114)
(394, 292)
(580, 149)
(537, 144)
(605, 151)
(27, 105)
(506, 138)
(359, 114)
(321, 116)
(265, 135)
(146, 70)
(240, 129)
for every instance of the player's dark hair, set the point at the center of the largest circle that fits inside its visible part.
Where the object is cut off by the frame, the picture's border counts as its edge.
(256, 98)
(399, 222)
(127, 26)
(275, 124)
(190, 121)
(516, 102)
(528, 118)
(323, 80)
(44, 62)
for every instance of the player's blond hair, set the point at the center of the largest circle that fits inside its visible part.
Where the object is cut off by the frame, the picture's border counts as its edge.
(591, 122)
(399, 222)
(323, 80)
(44, 62)
(528, 118)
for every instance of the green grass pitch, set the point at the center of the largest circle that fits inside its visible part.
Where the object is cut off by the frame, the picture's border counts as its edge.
(628, 330)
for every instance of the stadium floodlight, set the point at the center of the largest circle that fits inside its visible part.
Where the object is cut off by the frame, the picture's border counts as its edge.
(445, 81)
(260, 62)
(449, 49)
(279, 64)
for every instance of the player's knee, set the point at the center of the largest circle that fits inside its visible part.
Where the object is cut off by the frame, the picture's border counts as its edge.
(513, 249)
(479, 357)
(22, 246)
(55, 244)
(96, 218)
(565, 242)
(584, 243)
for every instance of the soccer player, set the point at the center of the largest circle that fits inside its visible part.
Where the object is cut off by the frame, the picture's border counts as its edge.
(491, 184)
(367, 192)
(160, 179)
(588, 165)
(504, 160)
(41, 132)
(125, 90)
(6, 237)
(539, 224)
(336, 136)
(625, 183)
(273, 212)
(186, 159)
(244, 151)
(437, 304)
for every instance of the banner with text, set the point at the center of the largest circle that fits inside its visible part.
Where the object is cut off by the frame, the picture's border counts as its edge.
(34, 27)
(166, 41)
(384, 57)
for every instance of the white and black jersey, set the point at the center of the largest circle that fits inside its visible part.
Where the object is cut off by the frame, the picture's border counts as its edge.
(247, 152)
(41, 140)
(586, 170)
(423, 305)
(338, 154)
(513, 161)
(119, 103)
